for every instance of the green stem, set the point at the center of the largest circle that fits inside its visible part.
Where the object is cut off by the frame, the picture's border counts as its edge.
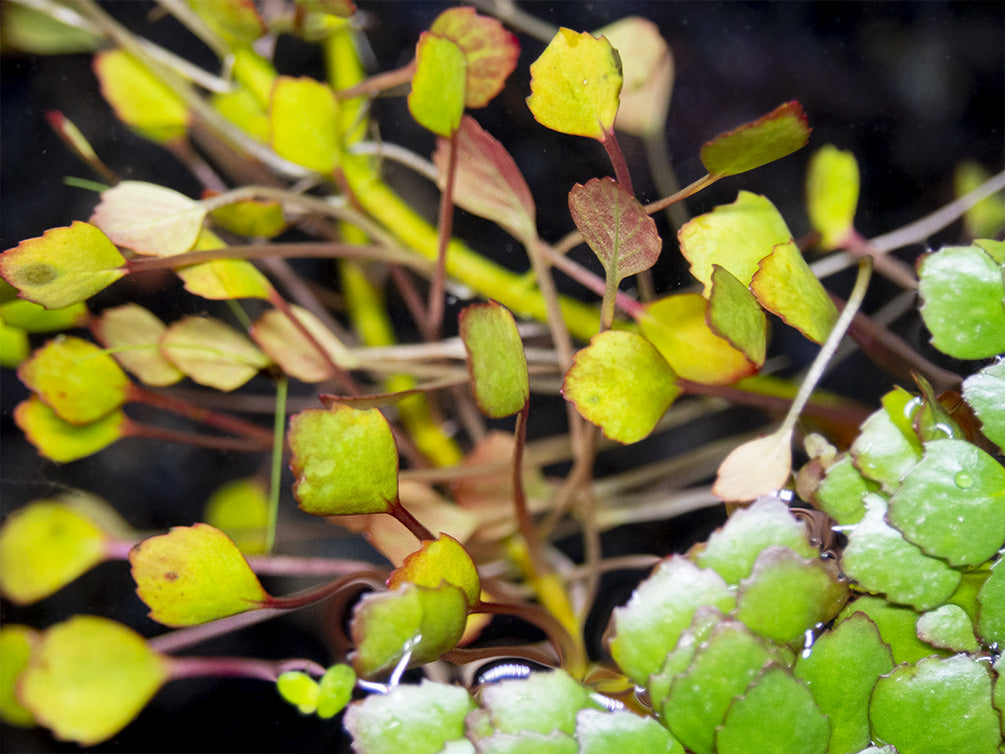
(278, 445)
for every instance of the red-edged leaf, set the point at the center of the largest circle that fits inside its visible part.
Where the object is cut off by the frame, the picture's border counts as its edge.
(490, 51)
(149, 219)
(771, 137)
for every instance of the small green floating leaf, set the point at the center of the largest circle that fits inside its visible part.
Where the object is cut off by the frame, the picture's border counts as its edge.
(44, 546)
(842, 491)
(63, 266)
(734, 314)
(645, 629)
(192, 575)
(412, 620)
(841, 670)
(442, 559)
(212, 353)
(335, 687)
(785, 285)
(603, 732)
(897, 627)
(948, 627)
(776, 714)
(575, 85)
(304, 123)
(76, 379)
(832, 186)
(409, 719)
(300, 690)
(140, 99)
(882, 561)
(16, 644)
(706, 619)
(771, 137)
(616, 226)
(555, 742)
(64, 442)
(345, 461)
(133, 334)
(936, 706)
(89, 677)
(496, 359)
(149, 219)
(952, 503)
(883, 450)
(991, 607)
(622, 384)
(963, 293)
(437, 97)
(240, 509)
(540, 703)
(490, 51)
(985, 392)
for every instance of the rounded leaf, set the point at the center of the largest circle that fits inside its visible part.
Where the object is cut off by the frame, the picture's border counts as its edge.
(948, 627)
(985, 392)
(61, 441)
(89, 677)
(132, 334)
(786, 286)
(832, 186)
(897, 627)
(991, 610)
(437, 97)
(240, 509)
(212, 353)
(496, 359)
(440, 560)
(300, 690)
(280, 339)
(539, 703)
(771, 137)
(304, 123)
(335, 687)
(16, 645)
(758, 467)
(140, 99)
(490, 51)
(223, 279)
(149, 219)
(648, 70)
(192, 575)
(734, 314)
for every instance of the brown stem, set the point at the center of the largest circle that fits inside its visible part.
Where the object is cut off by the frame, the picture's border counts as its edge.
(410, 522)
(569, 652)
(133, 428)
(618, 162)
(377, 84)
(525, 521)
(198, 413)
(445, 228)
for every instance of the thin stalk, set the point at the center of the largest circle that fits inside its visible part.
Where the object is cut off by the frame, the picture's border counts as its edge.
(238, 667)
(434, 325)
(205, 416)
(618, 162)
(410, 522)
(276, 472)
(132, 428)
(572, 655)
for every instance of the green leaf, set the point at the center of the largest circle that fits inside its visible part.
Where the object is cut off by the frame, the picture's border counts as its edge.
(732, 550)
(735, 236)
(539, 703)
(622, 384)
(496, 359)
(336, 687)
(140, 99)
(36, 32)
(64, 266)
(645, 629)
(223, 279)
(700, 696)
(786, 286)
(616, 226)
(133, 335)
(882, 561)
(734, 314)
(985, 392)
(525, 741)
(89, 677)
(786, 595)
(487, 181)
(437, 97)
(603, 732)
(61, 441)
(771, 137)
(149, 219)
(192, 575)
(240, 509)
(251, 217)
(34, 318)
(212, 353)
(897, 627)
(987, 217)
(16, 645)
(279, 338)
(15, 347)
(409, 719)
(304, 123)
(936, 706)
(575, 85)
(948, 627)
(706, 619)
(76, 379)
(841, 670)
(440, 560)
(952, 503)
(648, 75)
(300, 690)
(490, 51)
(345, 461)
(235, 21)
(842, 491)
(832, 186)
(883, 451)
(776, 714)
(419, 621)
(963, 294)
(44, 546)
(991, 607)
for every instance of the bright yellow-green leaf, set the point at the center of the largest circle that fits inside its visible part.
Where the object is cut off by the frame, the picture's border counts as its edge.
(140, 99)
(223, 279)
(294, 353)
(149, 219)
(300, 690)
(437, 97)
(735, 236)
(252, 218)
(755, 468)
(336, 687)
(242, 108)
(234, 20)
(676, 326)
(771, 137)
(832, 194)
(212, 353)
(240, 509)
(43, 547)
(734, 314)
(76, 378)
(648, 75)
(132, 334)
(490, 51)
(64, 266)
(192, 575)
(256, 73)
(34, 318)
(16, 644)
(61, 441)
(496, 359)
(303, 115)
(438, 560)
(622, 384)
(345, 461)
(89, 677)
(576, 84)
(986, 219)
(14, 345)
(785, 285)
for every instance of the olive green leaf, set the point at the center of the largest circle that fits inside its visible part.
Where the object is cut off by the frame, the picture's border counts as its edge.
(496, 359)
(771, 137)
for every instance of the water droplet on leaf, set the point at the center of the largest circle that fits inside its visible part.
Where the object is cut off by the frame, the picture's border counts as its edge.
(963, 480)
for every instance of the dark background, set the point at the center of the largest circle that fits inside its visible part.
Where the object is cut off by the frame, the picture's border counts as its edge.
(912, 88)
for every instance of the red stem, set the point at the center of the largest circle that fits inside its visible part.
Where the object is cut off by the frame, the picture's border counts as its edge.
(445, 228)
(197, 413)
(239, 667)
(131, 428)
(617, 157)
(410, 522)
